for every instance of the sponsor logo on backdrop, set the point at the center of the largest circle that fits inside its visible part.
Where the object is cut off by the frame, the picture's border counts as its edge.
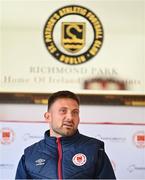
(139, 139)
(7, 136)
(111, 139)
(73, 34)
(6, 166)
(134, 167)
(28, 136)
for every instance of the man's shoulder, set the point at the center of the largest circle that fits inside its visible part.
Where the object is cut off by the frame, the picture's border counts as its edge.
(92, 140)
(35, 146)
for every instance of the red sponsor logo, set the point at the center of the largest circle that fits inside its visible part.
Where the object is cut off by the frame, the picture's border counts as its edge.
(6, 136)
(139, 139)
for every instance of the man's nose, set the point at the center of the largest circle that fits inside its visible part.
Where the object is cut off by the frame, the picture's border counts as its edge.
(69, 116)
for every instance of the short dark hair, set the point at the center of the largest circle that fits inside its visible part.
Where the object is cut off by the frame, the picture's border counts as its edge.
(62, 94)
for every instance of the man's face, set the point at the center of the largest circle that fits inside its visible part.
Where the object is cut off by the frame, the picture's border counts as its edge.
(63, 117)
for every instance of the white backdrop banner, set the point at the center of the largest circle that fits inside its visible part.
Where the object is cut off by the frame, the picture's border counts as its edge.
(124, 144)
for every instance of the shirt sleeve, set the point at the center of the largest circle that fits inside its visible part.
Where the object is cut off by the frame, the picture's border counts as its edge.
(104, 167)
(21, 172)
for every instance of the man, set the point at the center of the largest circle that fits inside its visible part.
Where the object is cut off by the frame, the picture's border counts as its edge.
(64, 153)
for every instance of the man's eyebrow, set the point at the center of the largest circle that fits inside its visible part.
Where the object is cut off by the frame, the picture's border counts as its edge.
(76, 109)
(64, 107)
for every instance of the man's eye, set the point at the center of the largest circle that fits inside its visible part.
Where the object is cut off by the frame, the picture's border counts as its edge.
(76, 112)
(63, 110)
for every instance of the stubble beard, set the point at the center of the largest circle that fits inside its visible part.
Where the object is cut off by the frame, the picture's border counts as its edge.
(64, 132)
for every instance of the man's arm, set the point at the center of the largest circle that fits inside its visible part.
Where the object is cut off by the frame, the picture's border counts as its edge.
(21, 172)
(104, 167)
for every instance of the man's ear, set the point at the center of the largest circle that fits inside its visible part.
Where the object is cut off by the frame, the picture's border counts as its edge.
(47, 116)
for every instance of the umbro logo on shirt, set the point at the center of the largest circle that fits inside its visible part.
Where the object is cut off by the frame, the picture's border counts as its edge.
(40, 162)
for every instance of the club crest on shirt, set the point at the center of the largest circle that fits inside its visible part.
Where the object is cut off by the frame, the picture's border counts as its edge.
(79, 159)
